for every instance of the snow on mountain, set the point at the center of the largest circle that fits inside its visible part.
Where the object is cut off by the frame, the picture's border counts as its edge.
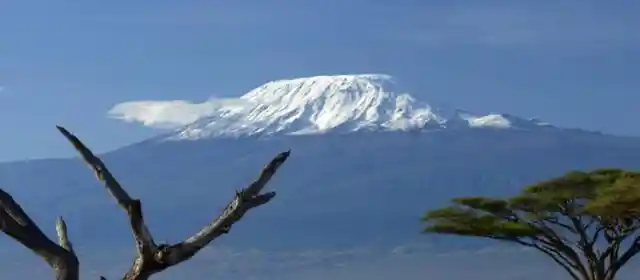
(339, 103)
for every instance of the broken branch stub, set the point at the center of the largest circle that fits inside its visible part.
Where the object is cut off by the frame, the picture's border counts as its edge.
(15, 223)
(63, 238)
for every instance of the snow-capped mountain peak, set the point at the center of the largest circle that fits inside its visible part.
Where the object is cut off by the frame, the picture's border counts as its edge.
(339, 103)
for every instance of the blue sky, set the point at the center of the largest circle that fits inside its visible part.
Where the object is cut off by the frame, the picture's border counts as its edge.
(573, 63)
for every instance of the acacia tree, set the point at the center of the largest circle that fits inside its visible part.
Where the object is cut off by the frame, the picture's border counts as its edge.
(151, 257)
(587, 222)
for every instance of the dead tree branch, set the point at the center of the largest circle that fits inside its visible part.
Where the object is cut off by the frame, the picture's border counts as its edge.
(150, 258)
(15, 223)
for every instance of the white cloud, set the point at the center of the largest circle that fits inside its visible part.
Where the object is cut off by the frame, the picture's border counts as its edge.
(171, 113)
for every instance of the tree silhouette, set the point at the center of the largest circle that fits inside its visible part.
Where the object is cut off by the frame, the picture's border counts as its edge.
(587, 222)
(151, 257)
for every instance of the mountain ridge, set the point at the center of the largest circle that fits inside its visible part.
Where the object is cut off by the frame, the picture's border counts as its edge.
(337, 104)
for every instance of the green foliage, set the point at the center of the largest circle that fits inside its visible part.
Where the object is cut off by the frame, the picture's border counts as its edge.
(606, 194)
(477, 216)
(565, 217)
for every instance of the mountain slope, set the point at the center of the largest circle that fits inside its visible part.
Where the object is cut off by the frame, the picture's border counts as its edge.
(341, 103)
(337, 192)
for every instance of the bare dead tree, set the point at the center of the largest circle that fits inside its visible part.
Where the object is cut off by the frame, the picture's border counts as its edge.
(151, 258)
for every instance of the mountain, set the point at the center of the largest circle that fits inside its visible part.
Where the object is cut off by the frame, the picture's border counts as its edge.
(341, 103)
(349, 198)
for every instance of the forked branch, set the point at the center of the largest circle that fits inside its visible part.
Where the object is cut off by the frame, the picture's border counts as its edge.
(151, 258)
(15, 223)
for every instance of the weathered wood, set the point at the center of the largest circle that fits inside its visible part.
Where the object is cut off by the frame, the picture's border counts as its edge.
(18, 225)
(150, 258)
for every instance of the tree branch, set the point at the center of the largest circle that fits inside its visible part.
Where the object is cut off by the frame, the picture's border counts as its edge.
(243, 201)
(144, 241)
(18, 225)
(554, 254)
(63, 238)
(633, 250)
(554, 245)
(596, 267)
(152, 258)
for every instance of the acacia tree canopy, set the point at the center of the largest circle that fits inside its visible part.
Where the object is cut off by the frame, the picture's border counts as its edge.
(587, 222)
